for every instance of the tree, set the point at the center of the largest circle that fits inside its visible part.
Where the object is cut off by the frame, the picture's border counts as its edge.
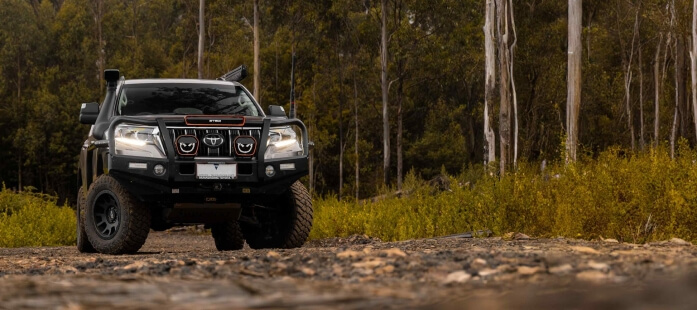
(201, 36)
(385, 89)
(490, 82)
(257, 62)
(504, 86)
(693, 57)
(573, 99)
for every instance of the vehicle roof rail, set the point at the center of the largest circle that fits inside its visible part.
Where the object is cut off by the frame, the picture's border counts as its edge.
(236, 75)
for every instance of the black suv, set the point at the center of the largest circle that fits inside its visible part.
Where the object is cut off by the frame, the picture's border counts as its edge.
(167, 152)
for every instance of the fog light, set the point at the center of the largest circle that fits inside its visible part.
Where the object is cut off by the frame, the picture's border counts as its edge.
(159, 170)
(270, 171)
(290, 166)
(137, 166)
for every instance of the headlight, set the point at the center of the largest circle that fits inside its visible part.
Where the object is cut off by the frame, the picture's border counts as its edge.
(136, 140)
(283, 142)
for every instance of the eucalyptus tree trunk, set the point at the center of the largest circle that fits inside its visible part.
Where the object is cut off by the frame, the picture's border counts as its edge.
(657, 89)
(257, 63)
(504, 86)
(201, 36)
(514, 95)
(355, 145)
(628, 77)
(385, 86)
(573, 98)
(490, 82)
(693, 57)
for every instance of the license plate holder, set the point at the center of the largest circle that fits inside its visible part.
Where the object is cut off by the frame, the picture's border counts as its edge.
(216, 171)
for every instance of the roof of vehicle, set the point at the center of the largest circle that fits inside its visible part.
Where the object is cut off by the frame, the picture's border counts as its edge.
(178, 81)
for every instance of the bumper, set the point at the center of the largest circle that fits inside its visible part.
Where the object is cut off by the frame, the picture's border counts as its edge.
(180, 184)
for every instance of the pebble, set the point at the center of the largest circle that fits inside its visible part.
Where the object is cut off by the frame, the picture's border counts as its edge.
(384, 270)
(678, 241)
(488, 272)
(561, 269)
(457, 277)
(585, 249)
(349, 254)
(394, 252)
(599, 266)
(592, 276)
(527, 271)
(521, 236)
(273, 254)
(478, 263)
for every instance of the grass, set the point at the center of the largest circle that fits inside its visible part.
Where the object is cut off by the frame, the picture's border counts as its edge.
(630, 197)
(636, 198)
(31, 219)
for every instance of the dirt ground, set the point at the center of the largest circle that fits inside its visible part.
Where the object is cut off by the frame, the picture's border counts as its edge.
(181, 270)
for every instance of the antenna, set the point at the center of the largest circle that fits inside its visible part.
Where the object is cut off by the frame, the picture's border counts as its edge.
(292, 88)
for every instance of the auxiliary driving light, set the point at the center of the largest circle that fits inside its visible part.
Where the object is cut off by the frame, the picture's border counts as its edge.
(159, 170)
(270, 171)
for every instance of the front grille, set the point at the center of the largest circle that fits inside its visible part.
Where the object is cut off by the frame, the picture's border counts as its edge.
(224, 150)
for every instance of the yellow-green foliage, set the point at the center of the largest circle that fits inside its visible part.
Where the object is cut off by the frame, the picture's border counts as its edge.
(634, 198)
(30, 219)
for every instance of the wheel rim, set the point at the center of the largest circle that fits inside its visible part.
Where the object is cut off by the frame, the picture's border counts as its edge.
(106, 215)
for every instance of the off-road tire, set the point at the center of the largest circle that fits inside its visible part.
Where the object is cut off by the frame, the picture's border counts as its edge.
(83, 244)
(133, 218)
(293, 220)
(228, 236)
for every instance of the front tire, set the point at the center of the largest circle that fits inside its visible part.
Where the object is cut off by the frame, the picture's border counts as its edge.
(228, 236)
(115, 221)
(288, 226)
(83, 244)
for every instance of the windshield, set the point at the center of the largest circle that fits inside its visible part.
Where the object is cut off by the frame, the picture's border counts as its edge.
(184, 99)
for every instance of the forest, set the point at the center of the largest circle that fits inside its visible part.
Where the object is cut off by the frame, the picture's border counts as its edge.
(386, 88)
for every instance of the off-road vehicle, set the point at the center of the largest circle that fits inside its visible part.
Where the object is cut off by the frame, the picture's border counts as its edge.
(168, 152)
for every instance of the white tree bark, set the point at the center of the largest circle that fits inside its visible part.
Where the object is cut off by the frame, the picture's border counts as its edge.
(385, 86)
(490, 82)
(573, 98)
(257, 62)
(514, 95)
(201, 36)
(657, 89)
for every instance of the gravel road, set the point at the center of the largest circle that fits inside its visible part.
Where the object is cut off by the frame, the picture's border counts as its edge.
(181, 270)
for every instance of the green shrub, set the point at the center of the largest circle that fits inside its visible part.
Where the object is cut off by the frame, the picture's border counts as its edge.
(31, 219)
(630, 197)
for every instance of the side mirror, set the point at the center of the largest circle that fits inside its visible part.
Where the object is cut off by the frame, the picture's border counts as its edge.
(89, 113)
(277, 110)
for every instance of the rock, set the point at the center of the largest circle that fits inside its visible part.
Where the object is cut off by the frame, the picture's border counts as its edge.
(134, 266)
(368, 264)
(521, 236)
(394, 252)
(678, 241)
(610, 241)
(561, 269)
(384, 270)
(488, 272)
(592, 276)
(273, 254)
(457, 277)
(349, 254)
(307, 271)
(585, 249)
(508, 236)
(599, 266)
(478, 263)
(528, 271)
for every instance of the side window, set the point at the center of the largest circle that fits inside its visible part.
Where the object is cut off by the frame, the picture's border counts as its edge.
(122, 102)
